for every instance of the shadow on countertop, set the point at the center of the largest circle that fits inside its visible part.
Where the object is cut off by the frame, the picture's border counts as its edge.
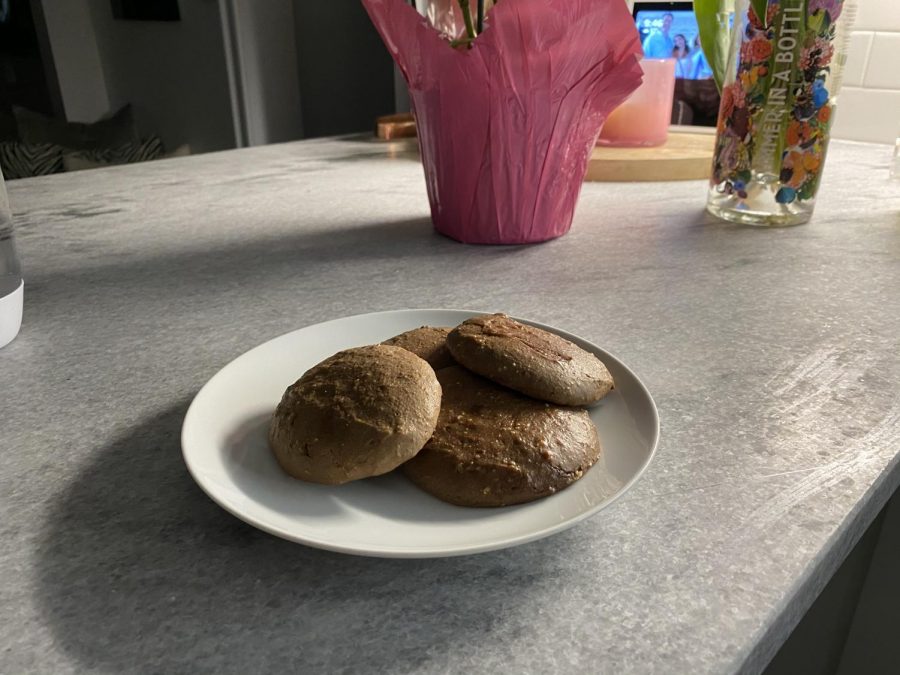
(286, 255)
(138, 571)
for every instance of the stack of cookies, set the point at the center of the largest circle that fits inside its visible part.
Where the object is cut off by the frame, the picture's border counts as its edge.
(485, 414)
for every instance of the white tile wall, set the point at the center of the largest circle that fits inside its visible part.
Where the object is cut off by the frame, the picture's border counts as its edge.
(878, 15)
(855, 70)
(883, 69)
(869, 103)
(868, 115)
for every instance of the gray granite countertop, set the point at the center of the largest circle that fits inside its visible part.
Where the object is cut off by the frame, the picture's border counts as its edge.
(773, 355)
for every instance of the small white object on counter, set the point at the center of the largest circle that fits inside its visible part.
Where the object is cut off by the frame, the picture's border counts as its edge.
(11, 315)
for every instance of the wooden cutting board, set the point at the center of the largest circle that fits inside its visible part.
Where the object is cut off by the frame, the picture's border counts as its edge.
(389, 127)
(687, 155)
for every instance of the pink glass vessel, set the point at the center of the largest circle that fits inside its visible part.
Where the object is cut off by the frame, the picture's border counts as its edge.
(643, 119)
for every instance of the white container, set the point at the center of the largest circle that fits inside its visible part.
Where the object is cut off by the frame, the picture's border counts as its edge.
(11, 315)
(11, 284)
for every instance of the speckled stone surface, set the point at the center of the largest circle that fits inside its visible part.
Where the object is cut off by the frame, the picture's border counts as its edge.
(774, 358)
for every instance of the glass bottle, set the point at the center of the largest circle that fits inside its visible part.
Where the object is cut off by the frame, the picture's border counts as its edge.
(895, 163)
(778, 103)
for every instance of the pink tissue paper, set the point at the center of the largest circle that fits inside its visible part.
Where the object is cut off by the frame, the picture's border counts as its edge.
(506, 128)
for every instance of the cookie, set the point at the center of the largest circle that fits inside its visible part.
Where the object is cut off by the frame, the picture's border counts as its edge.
(530, 360)
(494, 447)
(428, 343)
(360, 413)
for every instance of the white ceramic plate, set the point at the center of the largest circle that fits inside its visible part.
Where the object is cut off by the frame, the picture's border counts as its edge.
(225, 448)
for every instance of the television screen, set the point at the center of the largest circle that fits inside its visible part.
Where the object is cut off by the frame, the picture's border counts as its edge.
(669, 30)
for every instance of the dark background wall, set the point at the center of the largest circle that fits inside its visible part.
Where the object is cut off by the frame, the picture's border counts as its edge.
(24, 77)
(346, 74)
(172, 73)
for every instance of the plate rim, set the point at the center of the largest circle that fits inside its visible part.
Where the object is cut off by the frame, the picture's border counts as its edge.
(422, 552)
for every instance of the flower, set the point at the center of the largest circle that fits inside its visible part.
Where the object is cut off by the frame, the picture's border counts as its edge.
(749, 78)
(824, 114)
(797, 133)
(817, 55)
(739, 95)
(798, 166)
(798, 177)
(754, 20)
(729, 155)
(733, 96)
(819, 93)
(826, 51)
(760, 49)
(771, 12)
(741, 122)
(831, 7)
(785, 195)
(756, 50)
(804, 107)
(812, 161)
(726, 108)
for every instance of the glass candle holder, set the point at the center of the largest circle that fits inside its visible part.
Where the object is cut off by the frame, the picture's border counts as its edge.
(643, 119)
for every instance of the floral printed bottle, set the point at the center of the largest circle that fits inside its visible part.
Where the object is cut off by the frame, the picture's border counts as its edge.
(778, 104)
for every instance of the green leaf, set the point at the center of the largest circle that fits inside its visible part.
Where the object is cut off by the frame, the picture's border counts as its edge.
(816, 21)
(760, 8)
(712, 20)
(713, 17)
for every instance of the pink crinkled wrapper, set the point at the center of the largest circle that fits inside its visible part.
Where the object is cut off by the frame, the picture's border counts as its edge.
(506, 128)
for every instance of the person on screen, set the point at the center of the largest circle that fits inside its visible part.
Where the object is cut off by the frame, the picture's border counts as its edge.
(701, 69)
(658, 44)
(681, 52)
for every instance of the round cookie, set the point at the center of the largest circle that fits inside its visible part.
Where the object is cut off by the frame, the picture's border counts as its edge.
(530, 360)
(494, 447)
(427, 343)
(359, 413)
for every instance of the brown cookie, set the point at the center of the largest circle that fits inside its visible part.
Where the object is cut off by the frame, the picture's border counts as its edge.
(359, 413)
(427, 343)
(494, 447)
(529, 360)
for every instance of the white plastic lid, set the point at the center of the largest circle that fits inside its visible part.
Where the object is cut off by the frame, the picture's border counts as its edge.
(11, 315)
